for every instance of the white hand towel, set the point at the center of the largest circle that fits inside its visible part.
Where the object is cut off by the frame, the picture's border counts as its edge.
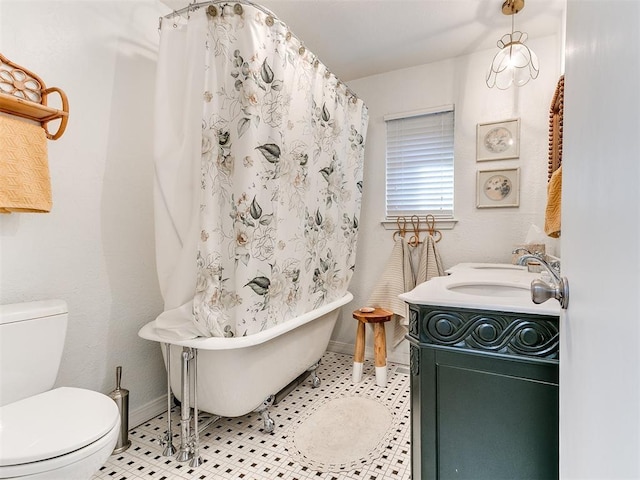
(430, 264)
(397, 278)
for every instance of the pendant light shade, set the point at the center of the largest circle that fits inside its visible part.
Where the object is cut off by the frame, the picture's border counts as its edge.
(515, 63)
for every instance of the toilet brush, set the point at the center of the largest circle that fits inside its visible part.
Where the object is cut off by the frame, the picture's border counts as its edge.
(121, 397)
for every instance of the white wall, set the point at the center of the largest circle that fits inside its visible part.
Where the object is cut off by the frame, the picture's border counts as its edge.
(480, 235)
(96, 248)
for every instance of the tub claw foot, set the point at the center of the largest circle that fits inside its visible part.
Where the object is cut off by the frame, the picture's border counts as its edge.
(269, 424)
(263, 410)
(315, 379)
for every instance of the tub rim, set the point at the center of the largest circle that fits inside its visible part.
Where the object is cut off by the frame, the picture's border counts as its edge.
(150, 332)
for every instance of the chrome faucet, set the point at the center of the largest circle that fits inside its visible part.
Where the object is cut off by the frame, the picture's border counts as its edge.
(541, 291)
(552, 267)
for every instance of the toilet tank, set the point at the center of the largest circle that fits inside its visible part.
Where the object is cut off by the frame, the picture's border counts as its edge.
(31, 341)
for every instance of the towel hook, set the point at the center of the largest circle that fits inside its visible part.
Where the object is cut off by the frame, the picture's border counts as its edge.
(402, 227)
(431, 228)
(414, 240)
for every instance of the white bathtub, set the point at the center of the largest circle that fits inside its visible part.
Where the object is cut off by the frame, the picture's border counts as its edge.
(236, 375)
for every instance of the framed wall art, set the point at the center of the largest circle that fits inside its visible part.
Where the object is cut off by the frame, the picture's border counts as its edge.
(498, 188)
(498, 140)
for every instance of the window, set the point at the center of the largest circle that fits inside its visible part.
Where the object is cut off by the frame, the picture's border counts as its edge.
(420, 163)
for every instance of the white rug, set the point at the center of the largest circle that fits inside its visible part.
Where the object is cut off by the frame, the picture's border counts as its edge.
(342, 434)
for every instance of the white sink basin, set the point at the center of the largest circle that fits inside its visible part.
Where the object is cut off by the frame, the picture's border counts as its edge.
(486, 267)
(498, 266)
(490, 289)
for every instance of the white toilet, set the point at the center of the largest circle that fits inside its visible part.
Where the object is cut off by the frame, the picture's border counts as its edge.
(62, 434)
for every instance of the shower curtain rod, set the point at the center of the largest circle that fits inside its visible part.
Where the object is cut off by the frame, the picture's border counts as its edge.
(195, 6)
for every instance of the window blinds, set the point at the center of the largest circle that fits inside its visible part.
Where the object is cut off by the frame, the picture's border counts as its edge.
(420, 164)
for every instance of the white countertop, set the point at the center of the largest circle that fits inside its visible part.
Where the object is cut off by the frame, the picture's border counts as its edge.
(465, 285)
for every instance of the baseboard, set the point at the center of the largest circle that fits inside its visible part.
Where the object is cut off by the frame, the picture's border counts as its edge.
(348, 348)
(148, 411)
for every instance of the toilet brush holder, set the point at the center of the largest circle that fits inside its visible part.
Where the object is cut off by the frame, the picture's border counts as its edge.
(121, 397)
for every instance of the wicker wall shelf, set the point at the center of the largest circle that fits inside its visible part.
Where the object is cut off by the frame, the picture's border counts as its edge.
(24, 94)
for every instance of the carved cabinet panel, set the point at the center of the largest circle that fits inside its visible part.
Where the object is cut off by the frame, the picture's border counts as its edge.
(484, 388)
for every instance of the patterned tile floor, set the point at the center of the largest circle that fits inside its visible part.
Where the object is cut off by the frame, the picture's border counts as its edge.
(237, 448)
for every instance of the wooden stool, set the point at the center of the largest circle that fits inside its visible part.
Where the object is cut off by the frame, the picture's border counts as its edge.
(378, 317)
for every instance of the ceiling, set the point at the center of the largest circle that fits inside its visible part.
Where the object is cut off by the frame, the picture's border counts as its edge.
(358, 38)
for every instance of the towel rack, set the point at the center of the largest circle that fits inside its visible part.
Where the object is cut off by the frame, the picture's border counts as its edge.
(24, 94)
(416, 228)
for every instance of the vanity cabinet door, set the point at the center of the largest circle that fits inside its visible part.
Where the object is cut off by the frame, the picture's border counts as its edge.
(483, 416)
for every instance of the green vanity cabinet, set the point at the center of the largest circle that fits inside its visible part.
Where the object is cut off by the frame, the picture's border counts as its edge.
(484, 394)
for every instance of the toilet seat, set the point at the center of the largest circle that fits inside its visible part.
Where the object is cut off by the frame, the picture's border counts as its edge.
(55, 428)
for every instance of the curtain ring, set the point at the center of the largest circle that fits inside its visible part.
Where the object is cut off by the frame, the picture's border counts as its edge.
(237, 9)
(212, 11)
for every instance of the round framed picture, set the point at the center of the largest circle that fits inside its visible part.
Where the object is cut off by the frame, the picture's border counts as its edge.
(497, 141)
(498, 188)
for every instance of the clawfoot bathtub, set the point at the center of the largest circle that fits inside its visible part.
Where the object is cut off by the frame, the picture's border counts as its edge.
(238, 375)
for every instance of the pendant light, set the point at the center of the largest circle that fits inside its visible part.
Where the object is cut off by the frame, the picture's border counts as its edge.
(515, 63)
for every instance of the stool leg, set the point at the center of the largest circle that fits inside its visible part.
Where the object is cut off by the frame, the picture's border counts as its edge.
(358, 356)
(380, 352)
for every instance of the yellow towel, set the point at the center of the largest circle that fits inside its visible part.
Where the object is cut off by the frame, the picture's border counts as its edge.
(25, 185)
(552, 213)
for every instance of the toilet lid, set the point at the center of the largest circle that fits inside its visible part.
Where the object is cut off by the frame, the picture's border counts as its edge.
(54, 423)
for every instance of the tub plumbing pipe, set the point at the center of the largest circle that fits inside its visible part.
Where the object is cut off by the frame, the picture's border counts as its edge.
(196, 461)
(167, 440)
(185, 453)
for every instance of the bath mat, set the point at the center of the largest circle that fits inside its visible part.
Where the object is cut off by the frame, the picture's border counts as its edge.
(342, 434)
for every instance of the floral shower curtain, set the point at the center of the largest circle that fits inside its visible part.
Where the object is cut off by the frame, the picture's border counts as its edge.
(259, 157)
